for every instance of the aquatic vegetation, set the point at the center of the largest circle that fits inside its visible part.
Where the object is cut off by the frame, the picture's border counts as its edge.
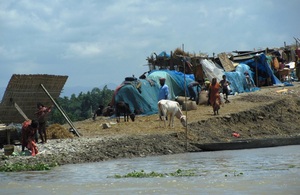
(138, 174)
(143, 174)
(17, 167)
(238, 174)
(292, 166)
(183, 173)
(235, 174)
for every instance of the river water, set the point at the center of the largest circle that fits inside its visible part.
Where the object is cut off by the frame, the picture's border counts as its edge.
(255, 171)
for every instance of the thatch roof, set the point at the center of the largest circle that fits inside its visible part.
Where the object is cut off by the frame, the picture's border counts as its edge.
(26, 91)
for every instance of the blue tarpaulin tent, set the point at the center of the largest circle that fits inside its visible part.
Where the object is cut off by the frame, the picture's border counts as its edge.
(260, 62)
(174, 79)
(142, 94)
(238, 79)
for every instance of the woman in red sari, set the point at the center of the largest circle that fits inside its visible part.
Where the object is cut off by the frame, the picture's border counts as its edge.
(214, 95)
(29, 129)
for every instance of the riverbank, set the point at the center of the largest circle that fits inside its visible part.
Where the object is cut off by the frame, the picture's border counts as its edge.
(269, 112)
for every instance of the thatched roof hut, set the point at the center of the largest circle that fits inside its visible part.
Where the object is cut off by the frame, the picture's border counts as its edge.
(26, 92)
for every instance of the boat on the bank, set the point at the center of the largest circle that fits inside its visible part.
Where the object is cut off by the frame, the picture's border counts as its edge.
(249, 144)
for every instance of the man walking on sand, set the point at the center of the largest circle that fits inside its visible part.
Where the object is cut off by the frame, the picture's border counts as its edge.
(224, 83)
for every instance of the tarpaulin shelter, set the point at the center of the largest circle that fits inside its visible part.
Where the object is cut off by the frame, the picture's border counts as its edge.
(260, 65)
(175, 81)
(142, 94)
(236, 78)
(211, 69)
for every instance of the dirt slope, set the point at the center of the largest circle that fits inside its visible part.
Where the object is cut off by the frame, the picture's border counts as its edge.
(271, 111)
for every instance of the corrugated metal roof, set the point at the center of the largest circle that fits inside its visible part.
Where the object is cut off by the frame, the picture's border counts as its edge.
(226, 63)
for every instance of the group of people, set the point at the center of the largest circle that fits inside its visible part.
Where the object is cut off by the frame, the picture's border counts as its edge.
(214, 88)
(31, 129)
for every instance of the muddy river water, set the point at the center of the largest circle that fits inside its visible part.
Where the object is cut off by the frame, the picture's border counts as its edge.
(256, 171)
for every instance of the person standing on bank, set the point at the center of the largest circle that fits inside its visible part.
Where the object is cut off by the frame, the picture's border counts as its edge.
(214, 95)
(193, 95)
(206, 88)
(224, 85)
(41, 118)
(163, 93)
(29, 129)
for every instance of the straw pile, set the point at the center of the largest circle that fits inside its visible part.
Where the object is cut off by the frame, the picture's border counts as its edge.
(57, 131)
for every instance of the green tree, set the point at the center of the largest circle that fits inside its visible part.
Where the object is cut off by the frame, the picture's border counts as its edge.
(82, 106)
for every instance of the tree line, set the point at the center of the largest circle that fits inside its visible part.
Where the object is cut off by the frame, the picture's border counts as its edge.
(81, 107)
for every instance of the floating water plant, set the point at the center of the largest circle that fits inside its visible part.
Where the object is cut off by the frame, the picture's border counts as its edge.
(292, 166)
(235, 174)
(143, 174)
(16, 167)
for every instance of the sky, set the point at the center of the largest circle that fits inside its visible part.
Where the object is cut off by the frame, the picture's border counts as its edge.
(97, 42)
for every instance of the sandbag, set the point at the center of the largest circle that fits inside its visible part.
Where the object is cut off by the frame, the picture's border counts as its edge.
(180, 99)
(203, 98)
(189, 105)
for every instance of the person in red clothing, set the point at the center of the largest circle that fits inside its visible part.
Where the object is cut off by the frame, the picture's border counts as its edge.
(214, 95)
(29, 129)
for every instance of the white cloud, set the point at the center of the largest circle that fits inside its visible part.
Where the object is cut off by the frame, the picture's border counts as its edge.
(83, 49)
(101, 38)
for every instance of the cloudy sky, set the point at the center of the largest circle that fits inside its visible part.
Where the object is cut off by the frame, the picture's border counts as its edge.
(100, 42)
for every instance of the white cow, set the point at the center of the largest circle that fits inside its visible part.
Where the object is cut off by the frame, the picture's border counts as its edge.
(171, 108)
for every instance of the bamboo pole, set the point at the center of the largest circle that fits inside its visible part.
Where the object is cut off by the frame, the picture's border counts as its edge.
(256, 71)
(21, 111)
(61, 110)
(185, 99)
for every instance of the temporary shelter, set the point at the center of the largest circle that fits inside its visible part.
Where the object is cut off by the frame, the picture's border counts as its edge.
(212, 70)
(175, 80)
(258, 68)
(236, 77)
(260, 65)
(25, 91)
(238, 80)
(142, 94)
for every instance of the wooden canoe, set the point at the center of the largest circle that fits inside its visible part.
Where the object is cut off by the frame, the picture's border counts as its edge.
(248, 144)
